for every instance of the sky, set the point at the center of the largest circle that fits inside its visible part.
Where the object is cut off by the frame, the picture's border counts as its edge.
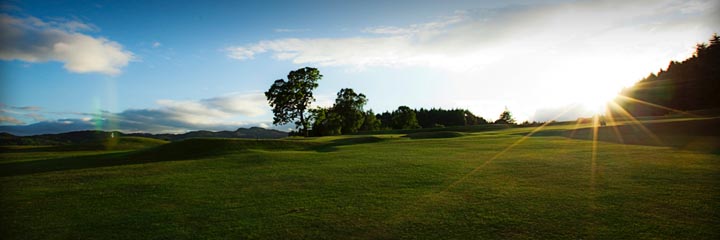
(177, 66)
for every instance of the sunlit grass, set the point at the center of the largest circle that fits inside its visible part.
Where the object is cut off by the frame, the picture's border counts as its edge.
(512, 183)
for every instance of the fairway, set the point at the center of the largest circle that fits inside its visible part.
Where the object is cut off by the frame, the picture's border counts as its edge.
(469, 185)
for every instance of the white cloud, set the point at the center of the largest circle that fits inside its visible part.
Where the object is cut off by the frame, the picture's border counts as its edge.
(250, 104)
(34, 40)
(473, 39)
(243, 53)
(191, 112)
(213, 111)
(156, 44)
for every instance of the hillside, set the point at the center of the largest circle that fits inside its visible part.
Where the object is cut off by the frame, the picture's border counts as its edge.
(690, 85)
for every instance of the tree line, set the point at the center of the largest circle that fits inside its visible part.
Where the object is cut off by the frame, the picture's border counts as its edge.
(693, 84)
(290, 100)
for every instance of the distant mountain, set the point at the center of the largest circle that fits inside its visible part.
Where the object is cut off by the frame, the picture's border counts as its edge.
(253, 132)
(48, 127)
(690, 85)
(78, 137)
(85, 137)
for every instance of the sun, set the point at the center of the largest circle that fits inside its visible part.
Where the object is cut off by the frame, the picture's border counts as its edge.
(596, 100)
(593, 91)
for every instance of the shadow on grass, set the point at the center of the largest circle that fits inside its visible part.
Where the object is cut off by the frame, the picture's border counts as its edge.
(467, 129)
(438, 134)
(106, 144)
(695, 135)
(66, 163)
(190, 149)
(332, 145)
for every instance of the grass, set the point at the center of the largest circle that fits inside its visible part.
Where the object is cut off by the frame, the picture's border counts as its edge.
(434, 134)
(365, 187)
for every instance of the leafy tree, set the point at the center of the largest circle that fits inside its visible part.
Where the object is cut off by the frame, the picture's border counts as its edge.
(404, 118)
(289, 99)
(326, 121)
(370, 122)
(349, 105)
(506, 117)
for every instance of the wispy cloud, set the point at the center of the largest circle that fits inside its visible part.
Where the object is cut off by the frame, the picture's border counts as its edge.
(156, 44)
(31, 39)
(13, 114)
(476, 38)
(10, 120)
(5, 107)
(422, 28)
(398, 46)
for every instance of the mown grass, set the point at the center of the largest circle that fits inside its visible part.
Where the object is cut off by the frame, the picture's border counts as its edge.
(472, 186)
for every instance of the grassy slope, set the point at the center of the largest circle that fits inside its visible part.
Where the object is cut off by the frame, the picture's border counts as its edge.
(380, 186)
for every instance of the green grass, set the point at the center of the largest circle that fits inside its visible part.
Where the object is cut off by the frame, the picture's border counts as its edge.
(365, 187)
(433, 134)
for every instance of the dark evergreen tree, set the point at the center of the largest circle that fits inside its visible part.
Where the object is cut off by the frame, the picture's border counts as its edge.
(690, 85)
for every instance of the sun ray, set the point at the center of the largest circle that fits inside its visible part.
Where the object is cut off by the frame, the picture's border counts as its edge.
(508, 148)
(636, 122)
(656, 105)
(593, 157)
(577, 124)
(609, 116)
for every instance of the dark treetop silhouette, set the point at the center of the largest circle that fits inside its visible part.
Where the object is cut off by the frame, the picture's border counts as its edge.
(690, 85)
(345, 116)
(290, 99)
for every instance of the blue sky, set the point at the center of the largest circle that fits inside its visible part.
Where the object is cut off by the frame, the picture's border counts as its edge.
(174, 66)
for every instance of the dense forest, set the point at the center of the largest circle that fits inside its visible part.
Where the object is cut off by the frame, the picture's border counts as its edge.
(691, 85)
(406, 118)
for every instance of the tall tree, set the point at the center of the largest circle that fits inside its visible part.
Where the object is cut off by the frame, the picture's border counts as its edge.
(290, 99)
(349, 105)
